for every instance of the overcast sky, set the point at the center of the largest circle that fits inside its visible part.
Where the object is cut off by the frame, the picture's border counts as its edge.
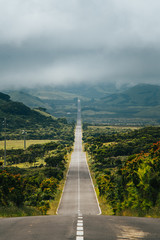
(65, 41)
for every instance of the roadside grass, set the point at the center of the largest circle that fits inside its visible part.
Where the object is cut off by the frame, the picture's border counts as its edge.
(13, 211)
(106, 209)
(54, 204)
(19, 144)
(152, 213)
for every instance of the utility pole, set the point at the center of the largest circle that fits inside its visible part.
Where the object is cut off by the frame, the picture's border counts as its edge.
(24, 134)
(4, 141)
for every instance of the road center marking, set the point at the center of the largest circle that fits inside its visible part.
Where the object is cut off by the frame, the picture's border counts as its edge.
(79, 224)
(79, 238)
(80, 229)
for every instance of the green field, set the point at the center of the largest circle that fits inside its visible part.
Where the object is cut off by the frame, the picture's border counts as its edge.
(19, 144)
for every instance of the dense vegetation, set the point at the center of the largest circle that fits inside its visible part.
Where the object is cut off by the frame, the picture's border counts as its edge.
(126, 165)
(33, 187)
(28, 190)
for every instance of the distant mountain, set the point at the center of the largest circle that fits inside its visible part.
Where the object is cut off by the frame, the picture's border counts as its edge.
(98, 101)
(61, 101)
(90, 90)
(28, 99)
(69, 92)
(139, 102)
(139, 95)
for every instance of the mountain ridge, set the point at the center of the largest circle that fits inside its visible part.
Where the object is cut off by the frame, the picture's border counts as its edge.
(139, 95)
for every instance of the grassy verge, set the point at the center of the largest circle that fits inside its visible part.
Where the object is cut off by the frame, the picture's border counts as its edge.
(106, 209)
(152, 213)
(13, 211)
(55, 203)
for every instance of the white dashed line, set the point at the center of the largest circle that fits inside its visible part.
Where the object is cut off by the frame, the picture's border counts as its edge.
(79, 224)
(80, 221)
(80, 229)
(80, 233)
(79, 238)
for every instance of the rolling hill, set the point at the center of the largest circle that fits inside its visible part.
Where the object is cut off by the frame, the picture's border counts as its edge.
(61, 101)
(28, 99)
(38, 124)
(100, 102)
(139, 95)
(139, 102)
(18, 114)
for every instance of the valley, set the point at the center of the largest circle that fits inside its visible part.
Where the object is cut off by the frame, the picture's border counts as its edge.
(101, 103)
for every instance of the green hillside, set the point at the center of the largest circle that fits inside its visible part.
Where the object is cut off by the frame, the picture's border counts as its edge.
(17, 114)
(140, 103)
(139, 95)
(38, 125)
(71, 91)
(28, 99)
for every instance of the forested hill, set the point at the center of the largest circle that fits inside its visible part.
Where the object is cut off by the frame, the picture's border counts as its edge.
(28, 99)
(19, 116)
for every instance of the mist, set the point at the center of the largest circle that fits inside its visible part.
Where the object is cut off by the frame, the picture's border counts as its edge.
(64, 42)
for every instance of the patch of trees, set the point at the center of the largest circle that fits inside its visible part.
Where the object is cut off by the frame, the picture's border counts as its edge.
(121, 144)
(35, 151)
(46, 130)
(136, 185)
(32, 189)
(34, 186)
(37, 185)
(128, 170)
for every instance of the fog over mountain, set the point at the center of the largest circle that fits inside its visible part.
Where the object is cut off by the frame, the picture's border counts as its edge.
(61, 42)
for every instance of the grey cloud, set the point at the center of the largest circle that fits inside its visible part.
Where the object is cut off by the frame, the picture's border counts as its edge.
(72, 41)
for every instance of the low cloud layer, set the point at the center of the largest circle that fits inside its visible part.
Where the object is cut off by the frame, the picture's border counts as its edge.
(60, 42)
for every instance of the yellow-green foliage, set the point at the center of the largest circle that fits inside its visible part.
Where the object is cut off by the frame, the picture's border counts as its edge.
(55, 203)
(127, 173)
(34, 187)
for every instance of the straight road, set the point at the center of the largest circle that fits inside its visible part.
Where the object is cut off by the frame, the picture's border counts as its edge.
(78, 213)
(65, 227)
(79, 195)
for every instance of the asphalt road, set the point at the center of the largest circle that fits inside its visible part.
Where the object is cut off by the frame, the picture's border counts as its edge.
(78, 213)
(79, 195)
